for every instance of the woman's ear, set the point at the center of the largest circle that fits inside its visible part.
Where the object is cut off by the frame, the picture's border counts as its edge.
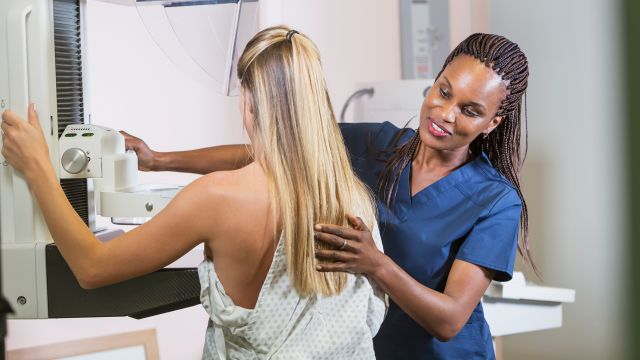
(493, 124)
(248, 100)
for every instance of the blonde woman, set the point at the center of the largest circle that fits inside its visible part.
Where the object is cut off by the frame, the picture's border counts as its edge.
(260, 287)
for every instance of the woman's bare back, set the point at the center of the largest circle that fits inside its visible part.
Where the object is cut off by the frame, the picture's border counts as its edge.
(243, 238)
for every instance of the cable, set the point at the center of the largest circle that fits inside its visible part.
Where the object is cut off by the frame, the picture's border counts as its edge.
(355, 95)
(426, 91)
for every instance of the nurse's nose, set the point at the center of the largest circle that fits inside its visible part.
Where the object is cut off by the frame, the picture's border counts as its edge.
(448, 113)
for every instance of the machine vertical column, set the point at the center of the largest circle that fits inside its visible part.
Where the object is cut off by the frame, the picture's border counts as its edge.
(69, 88)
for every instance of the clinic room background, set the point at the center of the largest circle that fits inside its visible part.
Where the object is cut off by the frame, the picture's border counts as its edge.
(578, 174)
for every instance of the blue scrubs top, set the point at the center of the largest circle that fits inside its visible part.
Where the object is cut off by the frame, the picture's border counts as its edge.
(471, 214)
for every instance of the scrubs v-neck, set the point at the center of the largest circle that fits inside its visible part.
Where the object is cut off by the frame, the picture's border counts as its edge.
(472, 214)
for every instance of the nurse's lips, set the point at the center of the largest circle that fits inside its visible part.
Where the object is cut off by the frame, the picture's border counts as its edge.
(436, 129)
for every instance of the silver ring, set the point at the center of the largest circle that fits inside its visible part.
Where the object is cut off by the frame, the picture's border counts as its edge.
(343, 245)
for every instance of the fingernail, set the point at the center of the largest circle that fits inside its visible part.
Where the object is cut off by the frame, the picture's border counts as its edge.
(318, 267)
(33, 106)
(317, 227)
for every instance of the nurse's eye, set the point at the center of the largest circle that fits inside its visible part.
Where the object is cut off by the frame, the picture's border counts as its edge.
(467, 110)
(444, 92)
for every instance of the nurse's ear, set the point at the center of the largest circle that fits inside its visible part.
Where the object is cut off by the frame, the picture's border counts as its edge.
(492, 125)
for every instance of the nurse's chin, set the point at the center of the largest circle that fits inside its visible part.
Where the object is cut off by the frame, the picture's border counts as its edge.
(436, 143)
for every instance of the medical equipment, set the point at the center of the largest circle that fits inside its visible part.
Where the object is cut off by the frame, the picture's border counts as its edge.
(395, 101)
(42, 61)
(96, 152)
(424, 32)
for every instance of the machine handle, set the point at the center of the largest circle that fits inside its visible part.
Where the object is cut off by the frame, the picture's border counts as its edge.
(13, 185)
(18, 58)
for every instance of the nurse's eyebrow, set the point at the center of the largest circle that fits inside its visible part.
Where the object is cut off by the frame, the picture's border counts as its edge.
(448, 82)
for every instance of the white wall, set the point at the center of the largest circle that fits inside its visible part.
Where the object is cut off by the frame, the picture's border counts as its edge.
(359, 40)
(573, 175)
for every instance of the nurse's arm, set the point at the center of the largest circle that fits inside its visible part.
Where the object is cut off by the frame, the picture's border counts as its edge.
(198, 161)
(442, 314)
(205, 160)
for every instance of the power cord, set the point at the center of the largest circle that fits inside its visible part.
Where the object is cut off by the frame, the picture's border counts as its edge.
(355, 95)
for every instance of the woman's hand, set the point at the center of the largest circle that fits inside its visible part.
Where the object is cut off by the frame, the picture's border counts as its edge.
(355, 250)
(146, 156)
(23, 143)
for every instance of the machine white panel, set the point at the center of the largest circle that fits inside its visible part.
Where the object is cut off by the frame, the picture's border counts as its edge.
(513, 317)
(517, 306)
(202, 37)
(395, 101)
(19, 272)
(137, 202)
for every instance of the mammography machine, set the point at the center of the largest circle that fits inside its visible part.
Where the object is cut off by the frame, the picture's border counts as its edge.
(41, 61)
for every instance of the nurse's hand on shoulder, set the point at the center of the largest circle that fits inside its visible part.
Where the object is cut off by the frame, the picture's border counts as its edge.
(146, 156)
(23, 142)
(354, 251)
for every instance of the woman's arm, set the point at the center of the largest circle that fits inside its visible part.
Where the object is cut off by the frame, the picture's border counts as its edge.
(198, 161)
(147, 248)
(442, 314)
(157, 243)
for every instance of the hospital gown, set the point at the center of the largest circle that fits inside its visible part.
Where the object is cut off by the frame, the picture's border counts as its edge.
(285, 325)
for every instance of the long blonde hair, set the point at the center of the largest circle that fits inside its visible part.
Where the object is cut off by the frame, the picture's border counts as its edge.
(301, 149)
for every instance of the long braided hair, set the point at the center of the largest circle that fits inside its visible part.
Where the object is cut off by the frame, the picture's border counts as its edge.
(502, 145)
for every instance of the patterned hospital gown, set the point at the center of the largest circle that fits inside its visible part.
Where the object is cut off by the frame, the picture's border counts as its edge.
(284, 325)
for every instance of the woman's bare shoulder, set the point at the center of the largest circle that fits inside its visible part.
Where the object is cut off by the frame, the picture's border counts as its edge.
(226, 192)
(231, 203)
(248, 179)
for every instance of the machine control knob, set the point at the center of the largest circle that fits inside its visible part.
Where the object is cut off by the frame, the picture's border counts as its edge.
(74, 160)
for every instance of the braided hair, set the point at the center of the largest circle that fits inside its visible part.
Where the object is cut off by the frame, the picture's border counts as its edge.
(502, 145)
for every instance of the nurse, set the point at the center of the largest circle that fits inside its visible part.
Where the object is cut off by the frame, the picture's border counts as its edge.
(450, 205)
(449, 200)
